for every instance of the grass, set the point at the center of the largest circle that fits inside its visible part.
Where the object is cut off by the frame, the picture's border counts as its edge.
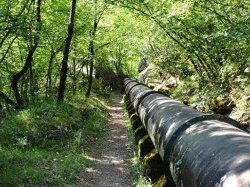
(47, 144)
(136, 167)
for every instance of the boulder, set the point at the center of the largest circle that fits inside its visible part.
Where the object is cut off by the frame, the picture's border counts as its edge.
(222, 104)
(143, 64)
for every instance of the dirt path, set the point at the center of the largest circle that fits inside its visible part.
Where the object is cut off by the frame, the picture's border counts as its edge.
(111, 154)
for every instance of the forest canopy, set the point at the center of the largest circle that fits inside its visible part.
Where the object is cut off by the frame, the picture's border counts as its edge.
(63, 61)
(207, 41)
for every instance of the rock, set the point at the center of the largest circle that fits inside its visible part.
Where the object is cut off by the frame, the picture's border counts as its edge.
(201, 108)
(247, 98)
(143, 64)
(143, 75)
(222, 105)
(57, 132)
(247, 70)
(172, 82)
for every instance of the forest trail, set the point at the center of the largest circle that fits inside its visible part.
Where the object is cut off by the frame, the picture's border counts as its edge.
(111, 155)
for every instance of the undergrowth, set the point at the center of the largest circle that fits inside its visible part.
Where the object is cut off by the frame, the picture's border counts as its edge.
(220, 97)
(47, 143)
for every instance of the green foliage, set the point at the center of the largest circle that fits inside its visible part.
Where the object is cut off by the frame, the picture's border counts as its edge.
(204, 44)
(136, 166)
(203, 38)
(118, 44)
(30, 126)
(39, 167)
(187, 90)
(97, 123)
(46, 143)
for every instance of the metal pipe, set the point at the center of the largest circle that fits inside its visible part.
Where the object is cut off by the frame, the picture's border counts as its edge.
(199, 149)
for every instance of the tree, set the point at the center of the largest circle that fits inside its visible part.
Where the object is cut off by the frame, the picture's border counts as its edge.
(64, 63)
(28, 61)
(91, 47)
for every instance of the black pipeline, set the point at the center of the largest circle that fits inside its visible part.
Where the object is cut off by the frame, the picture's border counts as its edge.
(199, 149)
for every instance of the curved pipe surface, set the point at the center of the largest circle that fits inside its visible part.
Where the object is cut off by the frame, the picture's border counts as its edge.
(200, 149)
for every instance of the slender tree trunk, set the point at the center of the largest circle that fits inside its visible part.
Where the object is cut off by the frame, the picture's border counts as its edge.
(74, 76)
(28, 61)
(5, 37)
(87, 68)
(91, 68)
(64, 64)
(92, 55)
(48, 85)
(19, 75)
(8, 49)
(49, 74)
(1, 108)
(97, 19)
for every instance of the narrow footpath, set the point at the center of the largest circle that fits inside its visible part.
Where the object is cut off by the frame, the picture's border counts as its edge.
(111, 155)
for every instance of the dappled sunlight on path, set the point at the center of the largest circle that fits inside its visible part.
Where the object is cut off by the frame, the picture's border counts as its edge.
(111, 154)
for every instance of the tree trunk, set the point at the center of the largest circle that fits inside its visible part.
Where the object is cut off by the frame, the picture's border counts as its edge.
(48, 85)
(49, 75)
(19, 75)
(87, 67)
(91, 68)
(74, 76)
(92, 56)
(8, 49)
(64, 64)
(28, 62)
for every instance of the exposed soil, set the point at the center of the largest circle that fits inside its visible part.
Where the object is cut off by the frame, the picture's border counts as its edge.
(111, 155)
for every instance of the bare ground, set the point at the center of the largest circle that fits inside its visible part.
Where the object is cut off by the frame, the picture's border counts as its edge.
(111, 155)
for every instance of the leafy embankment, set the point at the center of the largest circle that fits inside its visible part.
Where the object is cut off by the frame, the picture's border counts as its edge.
(229, 96)
(47, 143)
